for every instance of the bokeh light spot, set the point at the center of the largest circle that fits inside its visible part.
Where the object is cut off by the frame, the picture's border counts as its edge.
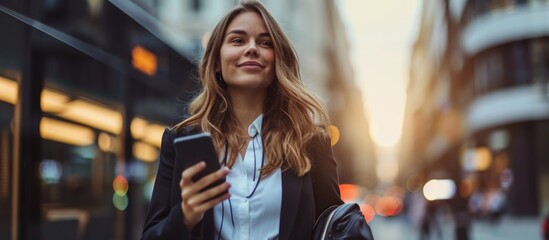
(120, 185)
(334, 134)
(368, 212)
(439, 189)
(349, 192)
(120, 202)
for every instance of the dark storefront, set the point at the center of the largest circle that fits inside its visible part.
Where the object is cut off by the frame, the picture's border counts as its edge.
(85, 93)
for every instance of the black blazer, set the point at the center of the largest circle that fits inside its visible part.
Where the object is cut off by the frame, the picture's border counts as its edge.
(303, 198)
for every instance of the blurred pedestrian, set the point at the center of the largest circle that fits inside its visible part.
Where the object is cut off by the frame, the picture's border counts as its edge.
(545, 227)
(426, 225)
(496, 203)
(429, 224)
(462, 217)
(416, 208)
(269, 132)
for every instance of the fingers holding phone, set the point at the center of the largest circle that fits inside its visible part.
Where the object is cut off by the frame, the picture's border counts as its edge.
(203, 180)
(200, 196)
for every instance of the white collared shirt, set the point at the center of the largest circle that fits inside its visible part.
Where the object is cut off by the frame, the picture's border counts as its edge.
(256, 217)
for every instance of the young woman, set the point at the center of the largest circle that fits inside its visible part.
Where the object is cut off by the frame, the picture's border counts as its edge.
(269, 132)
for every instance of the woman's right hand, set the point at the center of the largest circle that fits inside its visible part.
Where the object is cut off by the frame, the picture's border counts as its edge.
(195, 202)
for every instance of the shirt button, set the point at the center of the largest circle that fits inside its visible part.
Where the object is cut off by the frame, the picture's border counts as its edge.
(252, 132)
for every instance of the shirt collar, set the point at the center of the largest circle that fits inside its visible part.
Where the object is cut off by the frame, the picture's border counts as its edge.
(255, 127)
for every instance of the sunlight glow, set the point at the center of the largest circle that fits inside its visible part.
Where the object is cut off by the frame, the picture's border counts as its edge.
(387, 170)
(386, 113)
(381, 40)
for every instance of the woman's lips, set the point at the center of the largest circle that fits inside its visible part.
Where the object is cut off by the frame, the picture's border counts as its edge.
(250, 65)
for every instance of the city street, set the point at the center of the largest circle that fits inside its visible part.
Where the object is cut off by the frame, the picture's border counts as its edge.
(432, 116)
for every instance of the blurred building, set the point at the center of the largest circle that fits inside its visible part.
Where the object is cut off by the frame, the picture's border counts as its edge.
(478, 104)
(87, 87)
(317, 31)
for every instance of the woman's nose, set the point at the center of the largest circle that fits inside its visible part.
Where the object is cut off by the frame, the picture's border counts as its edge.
(251, 50)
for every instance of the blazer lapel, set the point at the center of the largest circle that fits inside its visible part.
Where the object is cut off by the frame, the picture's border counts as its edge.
(291, 192)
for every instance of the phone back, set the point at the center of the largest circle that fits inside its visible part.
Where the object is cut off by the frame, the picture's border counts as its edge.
(195, 148)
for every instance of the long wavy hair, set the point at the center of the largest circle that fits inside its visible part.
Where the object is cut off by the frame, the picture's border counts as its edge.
(292, 114)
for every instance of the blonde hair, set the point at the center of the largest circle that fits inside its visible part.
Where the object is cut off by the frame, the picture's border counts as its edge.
(292, 114)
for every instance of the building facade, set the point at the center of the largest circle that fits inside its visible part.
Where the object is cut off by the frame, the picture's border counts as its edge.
(85, 94)
(478, 104)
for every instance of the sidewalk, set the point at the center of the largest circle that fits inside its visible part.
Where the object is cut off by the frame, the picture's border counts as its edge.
(511, 228)
(508, 228)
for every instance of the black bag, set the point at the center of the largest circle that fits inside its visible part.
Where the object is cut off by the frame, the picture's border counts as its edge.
(342, 222)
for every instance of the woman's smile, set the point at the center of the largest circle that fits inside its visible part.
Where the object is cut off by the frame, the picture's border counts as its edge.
(251, 66)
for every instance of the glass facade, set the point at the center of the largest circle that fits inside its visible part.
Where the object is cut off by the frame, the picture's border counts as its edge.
(478, 8)
(511, 65)
(82, 99)
(105, 89)
(11, 66)
(506, 171)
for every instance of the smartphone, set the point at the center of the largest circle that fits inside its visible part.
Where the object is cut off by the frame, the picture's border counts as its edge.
(195, 148)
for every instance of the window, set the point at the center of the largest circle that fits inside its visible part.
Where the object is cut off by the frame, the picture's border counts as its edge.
(11, 65)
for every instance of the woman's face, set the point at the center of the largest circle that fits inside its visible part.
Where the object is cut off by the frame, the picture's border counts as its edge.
(247, 58)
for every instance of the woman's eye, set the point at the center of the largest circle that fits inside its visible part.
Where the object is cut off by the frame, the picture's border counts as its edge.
(236, 40)
(266, 43)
